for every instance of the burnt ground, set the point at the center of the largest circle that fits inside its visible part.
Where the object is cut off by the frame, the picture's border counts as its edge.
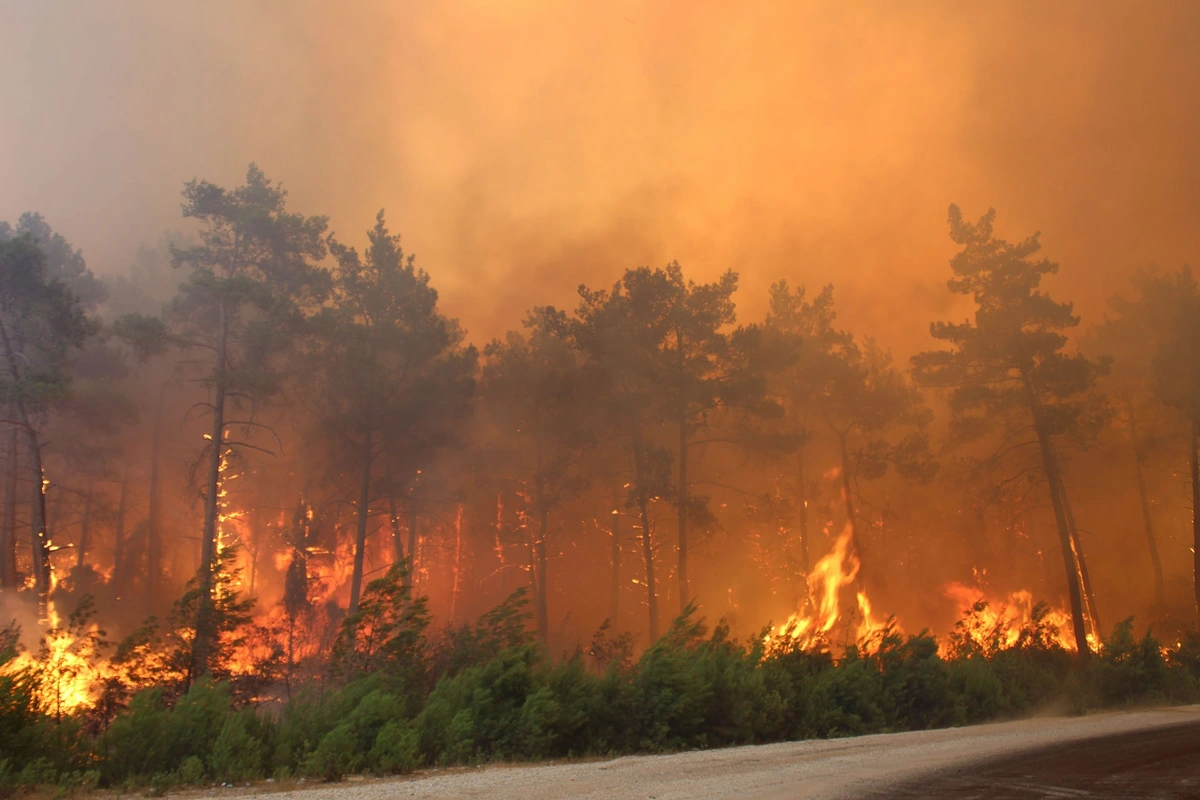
(1158, 763)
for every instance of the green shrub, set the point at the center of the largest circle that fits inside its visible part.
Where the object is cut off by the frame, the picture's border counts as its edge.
(239, 752)
(397, 748)
(1129, 670)
(335, 757)
(151, 738)
(980, 692)
(191, 771)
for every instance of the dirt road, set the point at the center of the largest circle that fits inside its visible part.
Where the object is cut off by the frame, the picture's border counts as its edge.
(1106, 755)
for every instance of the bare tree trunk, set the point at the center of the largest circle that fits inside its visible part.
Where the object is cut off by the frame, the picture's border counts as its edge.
(499, 542)
(1089, 596)
(615, 588)
(397, 530)
(118, 573)
(541, 585)
(648, 555)
(848, 496)
(208, 544)
(1147, 518)
(360, 537)
(456, 585)
(8, 527)
(685, 595)
(1194, 459)
(647, 533)
(802, 498)
(1054, 478)
(394, 517)
(154, 513)
(82, 547)
(41, 535)
(412, 544)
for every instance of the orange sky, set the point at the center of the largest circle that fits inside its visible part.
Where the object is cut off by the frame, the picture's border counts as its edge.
(523, 147)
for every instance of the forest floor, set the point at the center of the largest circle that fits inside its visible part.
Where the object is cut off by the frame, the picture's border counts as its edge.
(1132, 754)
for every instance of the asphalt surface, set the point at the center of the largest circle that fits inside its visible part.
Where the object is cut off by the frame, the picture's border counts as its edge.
(1156, 763)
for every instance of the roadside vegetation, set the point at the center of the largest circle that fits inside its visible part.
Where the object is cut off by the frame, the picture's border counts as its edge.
(396, 696)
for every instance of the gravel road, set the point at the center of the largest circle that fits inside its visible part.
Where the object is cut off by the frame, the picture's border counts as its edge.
(1031, 755)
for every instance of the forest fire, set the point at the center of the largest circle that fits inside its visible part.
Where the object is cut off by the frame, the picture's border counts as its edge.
(831, 577)
(999, 623)
(69, 663)
(679, 416)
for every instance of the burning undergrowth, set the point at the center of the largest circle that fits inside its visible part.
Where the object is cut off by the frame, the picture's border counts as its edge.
(296, 692)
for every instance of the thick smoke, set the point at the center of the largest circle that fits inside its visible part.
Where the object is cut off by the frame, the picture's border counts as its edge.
(524, 147)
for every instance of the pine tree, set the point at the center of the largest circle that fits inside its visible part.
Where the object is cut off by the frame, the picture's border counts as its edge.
(1009, 363)
(249, 279)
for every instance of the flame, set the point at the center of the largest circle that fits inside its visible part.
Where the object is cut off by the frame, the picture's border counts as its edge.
(227, 521)
(834, 572)
(997, 623)
(65, 677)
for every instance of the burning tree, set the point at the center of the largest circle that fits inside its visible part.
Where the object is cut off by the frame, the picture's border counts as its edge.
(41, 322)
(1177, 377)
(411, 374)
(1149, 375)
(535, 395)
(1007, 369)
(251, 274)
(621, 334)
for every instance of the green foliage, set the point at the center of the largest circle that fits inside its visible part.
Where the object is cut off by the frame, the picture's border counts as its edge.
(239, 752)
(498, 697)
(18, 705)
(387, 632)
(152, 738)
(397, 748)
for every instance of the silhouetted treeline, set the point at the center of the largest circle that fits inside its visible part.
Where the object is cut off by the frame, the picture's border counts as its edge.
(215, 454)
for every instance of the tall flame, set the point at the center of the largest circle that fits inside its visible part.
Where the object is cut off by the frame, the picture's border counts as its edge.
(837, 570)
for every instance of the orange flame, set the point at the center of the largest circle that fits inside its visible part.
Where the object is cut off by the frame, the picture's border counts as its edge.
(834, 572)
(997, 623)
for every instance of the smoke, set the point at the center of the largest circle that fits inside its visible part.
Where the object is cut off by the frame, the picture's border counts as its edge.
(524, 147)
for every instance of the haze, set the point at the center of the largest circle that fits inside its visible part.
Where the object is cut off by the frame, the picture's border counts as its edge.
(521, 148)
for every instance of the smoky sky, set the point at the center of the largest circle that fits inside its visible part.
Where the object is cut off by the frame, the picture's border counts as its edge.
(524, 147)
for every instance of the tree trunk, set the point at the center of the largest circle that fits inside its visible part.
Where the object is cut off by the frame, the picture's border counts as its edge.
(394, 517)
(643, 504)
(498, 528)
(81, 548)
(41, 537)
(802, 503)
(1089, 596)
(410, 580)
(8, 527)
(541, 585)
(848, 496)
(648, 555)
(1053, 478)
(360, 536)
(456, 585)
(1147, 518)
(154, 513)
(397, 530)
(615, 587)
(685, 595)
(541, 589)
(1194, 459)
(212, 485)
(119, 556)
